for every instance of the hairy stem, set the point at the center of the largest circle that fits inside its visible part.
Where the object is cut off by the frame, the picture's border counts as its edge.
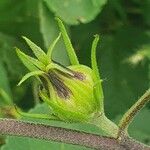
(50, 133)
(106, 125)
(132, 112)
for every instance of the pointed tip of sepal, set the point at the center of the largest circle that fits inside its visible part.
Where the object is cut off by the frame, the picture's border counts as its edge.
(28, 41)
(30, 74)
(17, 50)
(96, 36)
(57, 18)
(38, 52)
(19, 53)
(69, 47)
(59, 35)
(24, 37)
(18, 83)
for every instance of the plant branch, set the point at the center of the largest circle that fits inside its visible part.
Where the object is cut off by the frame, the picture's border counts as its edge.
(41, 131)
(132, 112)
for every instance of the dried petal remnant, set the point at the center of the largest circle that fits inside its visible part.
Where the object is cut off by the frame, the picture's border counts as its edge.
(79, 76)
(62, 90)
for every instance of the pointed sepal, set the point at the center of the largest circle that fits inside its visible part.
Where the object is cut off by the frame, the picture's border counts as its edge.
(96, 77)
(70, 50)
(26, 61)
(39, 53)
(30, 74)
(30, 62)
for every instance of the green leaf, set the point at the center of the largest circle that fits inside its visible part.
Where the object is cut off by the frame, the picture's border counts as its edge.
(6, 99)
(75, 11)
(30, 62)
(145, 6)
(5, 91)
(20, 19)
(49, 30)
(8, 55)
(39, 53)
(19, 143)
(120, 78)
(12, 65)
(30, 74)
(139, 128)
(70, 50)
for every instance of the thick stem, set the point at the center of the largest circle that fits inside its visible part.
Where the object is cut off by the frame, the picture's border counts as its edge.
(106, 125)
(50, 133)
(132, 112)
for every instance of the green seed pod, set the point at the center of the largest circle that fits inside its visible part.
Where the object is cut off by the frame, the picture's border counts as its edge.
(70, 93)
(73, 93)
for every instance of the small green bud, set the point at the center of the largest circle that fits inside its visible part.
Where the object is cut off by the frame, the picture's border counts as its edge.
(73, 93)
(70, 92)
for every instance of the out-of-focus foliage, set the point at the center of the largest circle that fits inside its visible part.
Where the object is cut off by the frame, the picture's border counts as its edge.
(76, 11)
(123, 54)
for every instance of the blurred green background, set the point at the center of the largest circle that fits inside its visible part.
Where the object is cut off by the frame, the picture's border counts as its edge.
(123, 56)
